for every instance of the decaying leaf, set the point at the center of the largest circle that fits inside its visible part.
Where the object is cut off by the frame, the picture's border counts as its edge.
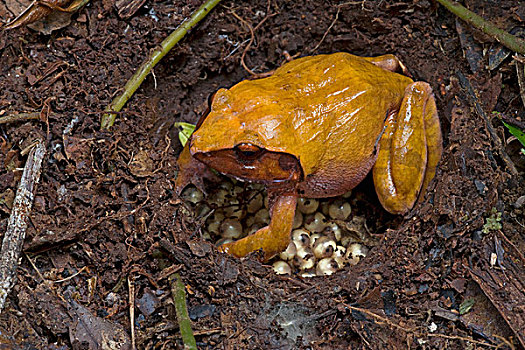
(56, 12)
(92, 332)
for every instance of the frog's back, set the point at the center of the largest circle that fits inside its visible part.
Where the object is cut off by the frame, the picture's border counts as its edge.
(339, 105)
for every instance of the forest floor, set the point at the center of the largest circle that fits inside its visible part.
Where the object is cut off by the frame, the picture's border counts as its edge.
(106, 222)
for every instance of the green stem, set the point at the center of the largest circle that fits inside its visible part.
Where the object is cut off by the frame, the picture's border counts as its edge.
(108, 119)
(179, 298)
(506, 39)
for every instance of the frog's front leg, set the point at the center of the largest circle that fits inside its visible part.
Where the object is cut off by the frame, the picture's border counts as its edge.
(409, 150)
(192, 171)
(273, 238)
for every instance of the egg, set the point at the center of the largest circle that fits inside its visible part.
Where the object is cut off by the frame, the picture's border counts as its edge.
(315, 222)
(340, 256)
(290, 252)
(301, 238)
(255, 203)
(281, 268)
(355, 252)
(307, 205)
(231, 229)
(192, 195)
(323, 247)
(304, 259)
(326, 267)
(297, 220)
(339, 210)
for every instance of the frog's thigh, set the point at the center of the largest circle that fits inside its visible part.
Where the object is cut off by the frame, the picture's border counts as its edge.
(388, 62)
(409, 150)
(272, 239)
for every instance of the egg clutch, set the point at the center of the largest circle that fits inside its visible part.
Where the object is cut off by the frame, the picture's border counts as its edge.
(326, 235)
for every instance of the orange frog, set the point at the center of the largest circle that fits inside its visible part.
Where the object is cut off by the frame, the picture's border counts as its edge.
(315, 128)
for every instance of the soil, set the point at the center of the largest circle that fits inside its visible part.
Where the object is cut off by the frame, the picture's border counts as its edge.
(106, 230)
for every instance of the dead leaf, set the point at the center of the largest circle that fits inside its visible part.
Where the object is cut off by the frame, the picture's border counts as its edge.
(94, 333)
(52, 14)
(141, 165)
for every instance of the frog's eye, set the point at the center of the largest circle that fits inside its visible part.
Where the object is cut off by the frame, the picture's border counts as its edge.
(248, 151)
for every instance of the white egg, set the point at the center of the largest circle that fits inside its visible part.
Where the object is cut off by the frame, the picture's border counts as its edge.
(307, 205)
(326, 267)
(301, 238)
(304, 259)
(315, 223)
(297, 220)
(340, 255)
(323, 247)
(290, 252)
(355, 252)
(282, 268)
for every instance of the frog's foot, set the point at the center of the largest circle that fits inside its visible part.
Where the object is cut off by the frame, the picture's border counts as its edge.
(192, 171)
(389, 62)
(272, 239)
(409, 150)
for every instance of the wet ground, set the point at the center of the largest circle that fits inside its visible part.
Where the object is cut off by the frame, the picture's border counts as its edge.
(106, 222)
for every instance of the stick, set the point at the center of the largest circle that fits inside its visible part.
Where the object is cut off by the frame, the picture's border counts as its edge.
(179, 298)
(108, 119)
(504, 38)
(17, 224)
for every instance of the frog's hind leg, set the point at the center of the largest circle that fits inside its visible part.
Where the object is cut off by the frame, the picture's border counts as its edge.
(389, 62)
(409, 150)
(273, 238)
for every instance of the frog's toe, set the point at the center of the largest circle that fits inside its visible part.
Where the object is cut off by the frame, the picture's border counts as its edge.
(409, 150)
(272, 239)
(390, 63)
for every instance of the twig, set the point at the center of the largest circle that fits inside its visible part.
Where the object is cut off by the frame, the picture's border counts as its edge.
(108, 119)
(506, 39)
(131, 290)
(415, 330)
(179, 298)
(457, 337)
(252, 38)
(17, 224)
(19, 117)
(326, 32)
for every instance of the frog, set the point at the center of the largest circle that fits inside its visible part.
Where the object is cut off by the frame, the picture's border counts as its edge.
(315, 128)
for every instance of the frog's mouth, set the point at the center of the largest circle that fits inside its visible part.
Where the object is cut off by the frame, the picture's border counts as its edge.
(249, 162)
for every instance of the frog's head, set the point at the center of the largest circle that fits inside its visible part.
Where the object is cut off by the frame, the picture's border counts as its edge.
(244, 143)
